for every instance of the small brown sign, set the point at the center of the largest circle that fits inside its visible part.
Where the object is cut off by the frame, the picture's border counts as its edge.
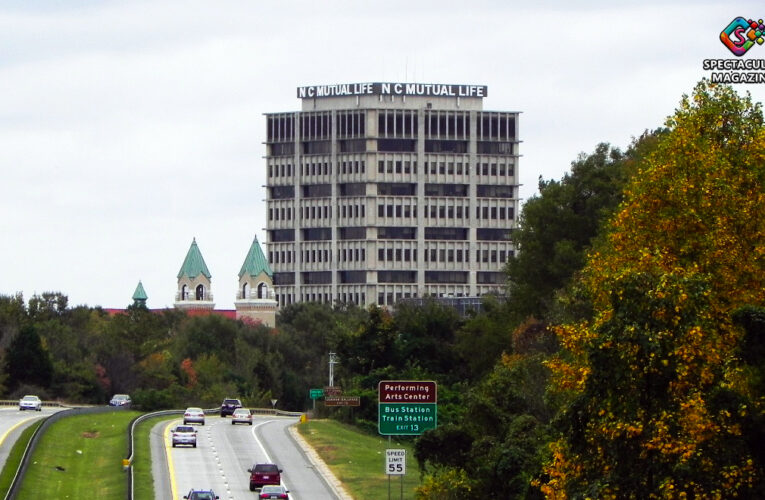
(333, 390)
(342, 401)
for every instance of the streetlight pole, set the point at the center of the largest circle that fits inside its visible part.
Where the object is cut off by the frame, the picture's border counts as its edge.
(332, 362)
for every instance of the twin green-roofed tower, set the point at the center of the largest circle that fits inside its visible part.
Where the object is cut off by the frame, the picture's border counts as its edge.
(255, 295)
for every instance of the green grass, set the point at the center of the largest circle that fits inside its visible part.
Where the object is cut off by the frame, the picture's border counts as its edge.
(143, 480)
(80, 457)
(14, 457)
(358, 459)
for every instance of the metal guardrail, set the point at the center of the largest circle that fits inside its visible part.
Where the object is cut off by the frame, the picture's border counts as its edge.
(33, 442)
(81, 410)
(128, 462)
(57, 404)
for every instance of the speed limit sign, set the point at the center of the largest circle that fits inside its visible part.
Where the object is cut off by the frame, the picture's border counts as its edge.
(395, 462)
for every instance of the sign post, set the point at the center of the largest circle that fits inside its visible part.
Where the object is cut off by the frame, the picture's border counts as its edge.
(395, 465)
(316, 394)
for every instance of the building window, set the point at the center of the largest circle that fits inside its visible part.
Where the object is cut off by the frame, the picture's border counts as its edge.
(446, 277)
(279, 235)
(396, 233)
(460, 190)
(317, 234)
(446, 233)
(487, 234)
(316, 278)
(397, 276)
(352, 276)
(282, 192)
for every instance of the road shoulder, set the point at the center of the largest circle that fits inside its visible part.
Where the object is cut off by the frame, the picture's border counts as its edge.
(319, 465)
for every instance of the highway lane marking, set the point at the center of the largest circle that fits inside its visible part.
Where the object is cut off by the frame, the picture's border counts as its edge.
(169, 455)
(263, 448)
(14, 427)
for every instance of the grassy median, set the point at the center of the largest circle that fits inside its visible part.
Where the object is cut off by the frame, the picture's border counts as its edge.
(80, 457)
(358, 459)
(14, 457)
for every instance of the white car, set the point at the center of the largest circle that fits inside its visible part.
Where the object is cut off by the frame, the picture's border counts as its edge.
(121, 400)
(184, 434)
(194, 415)
(241, 416)
(30, 403)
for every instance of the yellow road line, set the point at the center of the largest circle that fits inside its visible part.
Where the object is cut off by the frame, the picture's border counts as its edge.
(169, 455)
(13, 427)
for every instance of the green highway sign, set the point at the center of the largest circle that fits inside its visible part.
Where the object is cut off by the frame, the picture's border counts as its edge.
(406, 418)
(317, 393)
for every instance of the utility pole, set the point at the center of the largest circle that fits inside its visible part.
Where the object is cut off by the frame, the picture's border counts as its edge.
(332, 362)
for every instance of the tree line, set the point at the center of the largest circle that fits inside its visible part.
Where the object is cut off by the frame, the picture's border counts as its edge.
(626, 359)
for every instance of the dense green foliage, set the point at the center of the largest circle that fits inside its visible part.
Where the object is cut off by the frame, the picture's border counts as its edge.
(656, 379)
(626, 362)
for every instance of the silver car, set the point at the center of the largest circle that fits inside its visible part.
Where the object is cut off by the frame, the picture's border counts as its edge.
(121, 400)
(194, 415)
(184, 434)
(30, 402)
(241, 416)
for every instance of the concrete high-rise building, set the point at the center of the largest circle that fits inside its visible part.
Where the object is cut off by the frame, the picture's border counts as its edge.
(379, 192)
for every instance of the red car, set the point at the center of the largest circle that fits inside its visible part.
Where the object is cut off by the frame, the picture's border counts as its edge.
(263, 474)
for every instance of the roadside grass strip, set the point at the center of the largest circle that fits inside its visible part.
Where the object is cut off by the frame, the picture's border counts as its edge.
(143, 479)
(80, 457)
(14, 457)
(358, 459)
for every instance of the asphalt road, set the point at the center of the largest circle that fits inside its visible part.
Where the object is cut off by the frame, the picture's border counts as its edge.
(13, 422)
(223, 454)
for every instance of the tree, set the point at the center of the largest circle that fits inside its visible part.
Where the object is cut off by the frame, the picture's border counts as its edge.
(645, 374)
(426, 335)
(556, 227)
(499, 438)
(27, 362)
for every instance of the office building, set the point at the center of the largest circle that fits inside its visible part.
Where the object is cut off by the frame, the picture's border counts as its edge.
(378, 192)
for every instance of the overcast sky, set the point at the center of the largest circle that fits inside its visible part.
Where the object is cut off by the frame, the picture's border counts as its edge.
(129, 128)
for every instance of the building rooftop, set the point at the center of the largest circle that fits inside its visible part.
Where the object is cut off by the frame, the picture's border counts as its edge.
(140, 293)
(194, 264)
(255, 262)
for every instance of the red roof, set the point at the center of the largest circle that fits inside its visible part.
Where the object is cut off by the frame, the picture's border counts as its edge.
(226, 313)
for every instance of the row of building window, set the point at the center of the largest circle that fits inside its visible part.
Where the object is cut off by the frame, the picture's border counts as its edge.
(391, 123)
(346, 189)
(395, 276)
(390, 210)
(392, 146)
(396, 233)
(394, 166)
(358, 298)
(395, 255)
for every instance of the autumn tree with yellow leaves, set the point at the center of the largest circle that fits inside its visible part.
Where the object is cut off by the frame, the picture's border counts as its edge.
(658, 393)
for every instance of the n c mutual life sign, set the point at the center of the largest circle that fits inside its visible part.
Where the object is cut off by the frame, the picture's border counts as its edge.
(392, 88)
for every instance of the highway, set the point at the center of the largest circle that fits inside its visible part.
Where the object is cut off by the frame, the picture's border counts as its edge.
(13, 422)
(223, 454)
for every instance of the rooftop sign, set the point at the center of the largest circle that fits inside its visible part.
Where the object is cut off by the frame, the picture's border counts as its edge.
(412, 89)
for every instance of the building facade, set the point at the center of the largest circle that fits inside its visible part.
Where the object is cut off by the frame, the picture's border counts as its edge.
(378, 192)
